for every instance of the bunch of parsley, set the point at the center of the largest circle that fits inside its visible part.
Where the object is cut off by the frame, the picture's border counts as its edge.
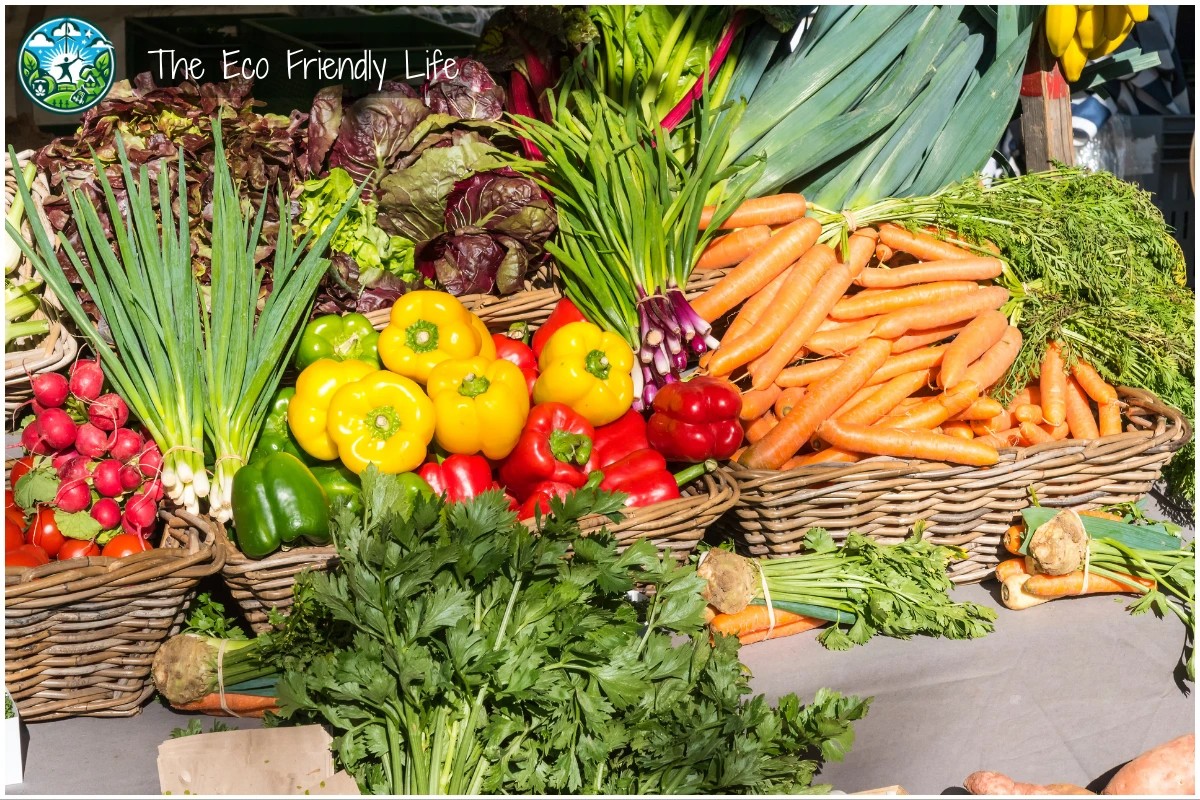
(483, 657)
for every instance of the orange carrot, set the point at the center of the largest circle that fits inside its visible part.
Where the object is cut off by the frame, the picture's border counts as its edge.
(1033, 434)
(1053, 385)
(733, 248)
(1012, 540)
(788, 399)
(996, 361)
(244, 705)
(889, 396)
(1079, 413)
(842, 340)
(773, 210)
(792, 297)
(807, 373)
(980, 334)
(1008, 568)
(830, 455)
(1001, 439)
(785, 439)
(883, 253)
(1028, 412)
(830, 324)
(969, 268)
(855, 400)
(936, 410)
(828, 290)
(984, 408)
(758, 428)
(951, 238)
(752, 618)
(905, 443)
(857, 306)
(945, 312)
(813, 371)
(960, 429)
(1057, 432)
(1098, 514)
(1110, 418)
(1091, 382)
(1072, 584)
(917, 339)
(753, 309)
(759, 269)
(755, 404)
(805, 624)
(921, 245)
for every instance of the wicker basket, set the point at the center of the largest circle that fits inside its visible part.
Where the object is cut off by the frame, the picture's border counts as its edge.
(30, 355)
(676, 526)
(968, 507)
(258, 585)
(537, 301)
(80, 635)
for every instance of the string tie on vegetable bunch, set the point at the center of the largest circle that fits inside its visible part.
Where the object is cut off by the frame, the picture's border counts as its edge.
(766, 599)
(851, 223)
(217, 463)
(1087, 555)
(221, 679)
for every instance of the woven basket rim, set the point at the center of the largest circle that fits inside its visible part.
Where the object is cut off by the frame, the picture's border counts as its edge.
(1177, 434)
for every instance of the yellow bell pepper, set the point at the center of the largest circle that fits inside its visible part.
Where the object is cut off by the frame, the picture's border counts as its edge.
(308, 410)
(382, 419)
(426, 328)
(587, 369)
(487, 347)
(480, 406)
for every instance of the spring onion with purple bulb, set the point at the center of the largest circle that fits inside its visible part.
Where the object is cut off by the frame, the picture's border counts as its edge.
(629, 215)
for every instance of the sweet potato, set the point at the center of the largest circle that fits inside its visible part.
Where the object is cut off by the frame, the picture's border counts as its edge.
(1168, 769)
(993, 783)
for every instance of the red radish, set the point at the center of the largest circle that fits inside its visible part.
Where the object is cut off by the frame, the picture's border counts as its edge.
(154, 490)
(62, 458)
(74, 469)
(130, 477)
(107, 478)
(91, 441)
(87, 380)
(49, 389)
(107, 513)
(73, 495)
(141, 510)
(124, 444)
(150, 462)
(109, 412)
(38, 408)
(129, 527)
(56, 428)
(31, 440)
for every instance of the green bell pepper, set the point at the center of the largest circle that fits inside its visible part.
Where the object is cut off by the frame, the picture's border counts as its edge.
(340, 338)
(411, 485)
(276, 436)
(276, 501)
(342, 488)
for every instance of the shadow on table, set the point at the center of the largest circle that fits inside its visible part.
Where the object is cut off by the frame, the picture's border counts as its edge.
(956, 790)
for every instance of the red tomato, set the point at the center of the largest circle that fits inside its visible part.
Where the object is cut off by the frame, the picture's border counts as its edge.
(22, 466)
(77, 548)
(43, 531)
(13, 537)
(124, 545)
(27, 555)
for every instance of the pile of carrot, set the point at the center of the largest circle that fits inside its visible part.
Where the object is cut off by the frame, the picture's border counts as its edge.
(753, 624)
(889, 347)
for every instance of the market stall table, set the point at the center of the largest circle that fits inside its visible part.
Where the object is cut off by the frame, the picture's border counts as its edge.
(1065, 692)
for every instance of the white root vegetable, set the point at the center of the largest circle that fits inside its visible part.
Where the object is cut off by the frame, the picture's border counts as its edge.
(1169, 769)
(993, 783)
(1013, 595)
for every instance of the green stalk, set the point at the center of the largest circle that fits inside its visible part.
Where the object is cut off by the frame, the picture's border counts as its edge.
(19, 330)
(665, 96)
(658, 71)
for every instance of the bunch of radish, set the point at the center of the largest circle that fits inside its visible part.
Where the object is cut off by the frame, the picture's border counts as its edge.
(78, 438)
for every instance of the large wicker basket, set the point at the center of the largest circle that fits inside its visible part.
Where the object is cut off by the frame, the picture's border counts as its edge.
(968, 507)
(534, 304)
(25, 357)
(80, 635)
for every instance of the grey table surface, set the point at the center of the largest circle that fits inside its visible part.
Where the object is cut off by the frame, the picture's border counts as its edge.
(1067, 691)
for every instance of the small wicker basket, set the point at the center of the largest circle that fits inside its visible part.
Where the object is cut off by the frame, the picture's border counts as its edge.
(28, 356)
(967, 507)
(80, 635)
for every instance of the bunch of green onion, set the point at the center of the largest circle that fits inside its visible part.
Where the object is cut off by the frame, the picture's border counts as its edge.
(20, 299)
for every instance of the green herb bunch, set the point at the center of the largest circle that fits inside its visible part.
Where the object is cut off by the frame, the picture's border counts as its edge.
(481, 658)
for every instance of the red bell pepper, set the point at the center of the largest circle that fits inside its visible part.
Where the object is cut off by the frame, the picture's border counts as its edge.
(511, 347)
(540, 498)
(642, 475)
(696, 420)
(563, 314)
(554, 446)
(459, 477)
(618, 439)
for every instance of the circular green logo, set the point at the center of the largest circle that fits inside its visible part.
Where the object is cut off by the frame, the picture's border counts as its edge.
(66, 65)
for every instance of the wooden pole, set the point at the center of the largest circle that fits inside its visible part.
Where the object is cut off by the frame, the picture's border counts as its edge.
(1045, 108)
